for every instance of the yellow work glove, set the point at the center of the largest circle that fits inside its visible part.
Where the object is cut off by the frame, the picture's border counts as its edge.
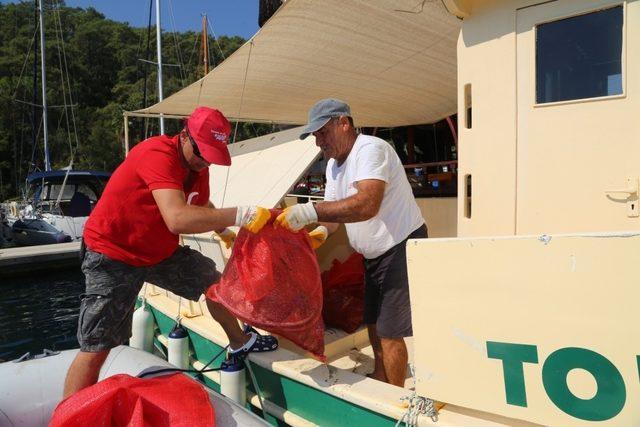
(318, 236)
(252, 218)
(227, 236)
(295, 217)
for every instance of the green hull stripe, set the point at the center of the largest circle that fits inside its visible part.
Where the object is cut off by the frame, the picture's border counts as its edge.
(307, 402)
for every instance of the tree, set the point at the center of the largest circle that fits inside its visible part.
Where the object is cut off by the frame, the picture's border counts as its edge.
(105, 76)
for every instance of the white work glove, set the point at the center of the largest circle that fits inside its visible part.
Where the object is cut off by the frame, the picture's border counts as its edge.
(227, 236)
(318, 236)
(252, 218)
(296, 217)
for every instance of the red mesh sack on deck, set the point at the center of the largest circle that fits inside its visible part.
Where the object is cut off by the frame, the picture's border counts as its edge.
(343, 293)
(122, 400)
(272, 282)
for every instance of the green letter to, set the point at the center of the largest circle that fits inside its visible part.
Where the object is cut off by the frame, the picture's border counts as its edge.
(610, 395)
(513, 356)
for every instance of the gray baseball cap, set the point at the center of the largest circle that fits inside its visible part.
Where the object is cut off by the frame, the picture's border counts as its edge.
(322, 112)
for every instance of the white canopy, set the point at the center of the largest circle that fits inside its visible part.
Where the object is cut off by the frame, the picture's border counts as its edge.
(393, 61)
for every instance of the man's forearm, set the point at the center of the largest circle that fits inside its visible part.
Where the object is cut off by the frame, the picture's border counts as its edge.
(192, 219)
(352, 209)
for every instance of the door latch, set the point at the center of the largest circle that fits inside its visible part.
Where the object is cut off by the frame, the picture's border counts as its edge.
(630, 193)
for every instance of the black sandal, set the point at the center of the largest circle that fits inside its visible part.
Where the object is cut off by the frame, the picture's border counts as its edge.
(257, 343)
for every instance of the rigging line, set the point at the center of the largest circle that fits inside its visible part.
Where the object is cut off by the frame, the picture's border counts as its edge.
(176, 44)
(235, 132)
(59, 41)
(66, 71)
(31, 104)
(32, 164)
(15, 151)
(215, 38)
(140, 41)
(195, 45)
(164, 64)
(24, 65)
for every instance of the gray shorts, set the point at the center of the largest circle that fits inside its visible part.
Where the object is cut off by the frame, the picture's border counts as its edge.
(386, 294)
(106, 310)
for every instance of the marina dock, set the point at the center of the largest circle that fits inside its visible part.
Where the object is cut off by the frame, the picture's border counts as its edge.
(14, 261)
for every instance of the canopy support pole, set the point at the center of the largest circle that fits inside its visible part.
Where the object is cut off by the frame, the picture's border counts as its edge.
(126, 134)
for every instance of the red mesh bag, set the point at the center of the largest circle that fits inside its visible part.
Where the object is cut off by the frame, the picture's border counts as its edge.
(343, 293)
(123, 400)
(272, 282)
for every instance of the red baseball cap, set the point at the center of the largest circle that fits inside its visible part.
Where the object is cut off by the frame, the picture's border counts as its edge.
(210, 129)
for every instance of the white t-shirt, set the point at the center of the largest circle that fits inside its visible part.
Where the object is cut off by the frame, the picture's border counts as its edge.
(399, 215)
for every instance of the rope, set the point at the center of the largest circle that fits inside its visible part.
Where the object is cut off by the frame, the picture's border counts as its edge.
(215, 38)
(177, 45)
(235, 132)
(24, 64)
(179, 317)
(258, 392)
(144, 295)
(195, 371)
(66, 72)
(60, 40)
(418, 406)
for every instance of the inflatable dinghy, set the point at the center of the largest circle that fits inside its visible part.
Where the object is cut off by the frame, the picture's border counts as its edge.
(31, 389)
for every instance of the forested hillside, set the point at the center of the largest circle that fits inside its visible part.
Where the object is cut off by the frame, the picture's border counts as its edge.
(105, 76)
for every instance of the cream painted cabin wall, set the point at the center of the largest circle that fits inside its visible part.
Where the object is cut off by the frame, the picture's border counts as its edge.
(541, 169)
(486, 61)
(440, 215)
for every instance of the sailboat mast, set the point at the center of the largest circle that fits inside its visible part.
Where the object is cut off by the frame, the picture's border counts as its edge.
(47, 161)
(205, 44)
(159, 48)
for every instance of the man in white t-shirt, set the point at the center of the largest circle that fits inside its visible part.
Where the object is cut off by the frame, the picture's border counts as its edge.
(367, 190)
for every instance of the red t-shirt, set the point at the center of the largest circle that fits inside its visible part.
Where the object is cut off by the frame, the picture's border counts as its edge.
(126, 224)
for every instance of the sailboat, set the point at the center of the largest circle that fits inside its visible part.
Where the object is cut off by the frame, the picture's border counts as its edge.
(56, 203)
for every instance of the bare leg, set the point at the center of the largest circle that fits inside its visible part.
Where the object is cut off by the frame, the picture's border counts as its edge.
(395, 359)
(237, 338)
(84, 371)
(378, 357)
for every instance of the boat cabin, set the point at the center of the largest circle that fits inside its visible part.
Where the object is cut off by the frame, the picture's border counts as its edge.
(75, 192)
(526, 313)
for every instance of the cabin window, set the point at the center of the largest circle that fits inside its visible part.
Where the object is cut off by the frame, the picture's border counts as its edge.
(67, 192)
(580, 57)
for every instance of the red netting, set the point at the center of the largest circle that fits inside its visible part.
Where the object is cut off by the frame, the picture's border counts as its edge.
(343, 293)
(123, 400)
(272, 282)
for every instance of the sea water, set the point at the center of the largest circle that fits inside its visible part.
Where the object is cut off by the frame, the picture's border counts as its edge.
(39, 311)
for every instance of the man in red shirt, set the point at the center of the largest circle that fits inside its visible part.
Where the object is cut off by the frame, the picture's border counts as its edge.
(160, 191)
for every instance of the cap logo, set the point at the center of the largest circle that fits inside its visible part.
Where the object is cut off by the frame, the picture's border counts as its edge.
(219, 136)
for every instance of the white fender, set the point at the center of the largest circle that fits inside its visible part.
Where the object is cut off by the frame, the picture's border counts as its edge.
(178, 347)
(233, 381)
(142, 329)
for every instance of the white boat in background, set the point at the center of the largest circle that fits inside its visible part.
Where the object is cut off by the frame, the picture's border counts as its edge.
(56, 203)
(56, 206)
